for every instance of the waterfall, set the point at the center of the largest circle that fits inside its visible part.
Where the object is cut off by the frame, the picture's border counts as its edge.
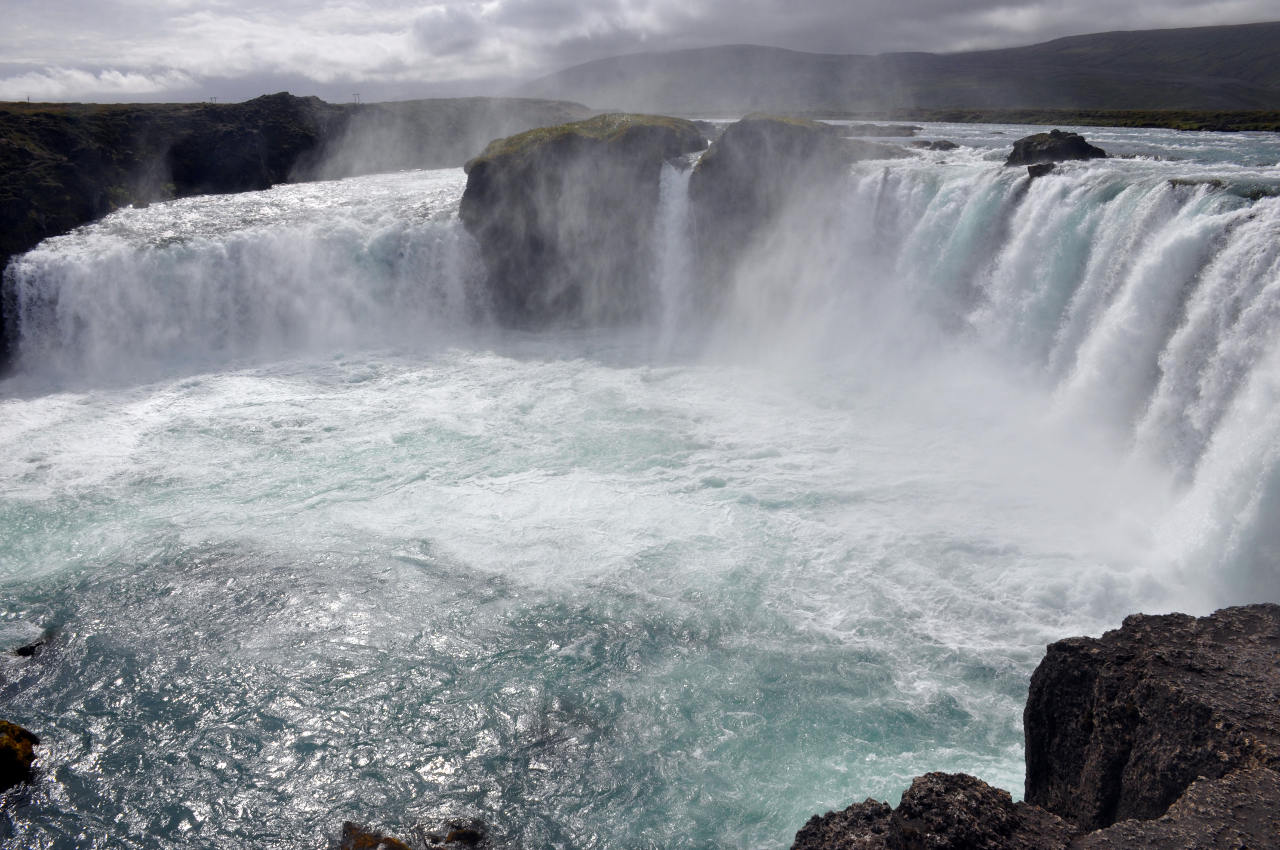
(1143, 296)
(209, 281)
(673, 258)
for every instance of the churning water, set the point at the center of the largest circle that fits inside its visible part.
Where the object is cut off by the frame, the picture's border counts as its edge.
(318, 542)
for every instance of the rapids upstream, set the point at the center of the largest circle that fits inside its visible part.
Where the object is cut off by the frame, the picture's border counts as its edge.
(316, 540)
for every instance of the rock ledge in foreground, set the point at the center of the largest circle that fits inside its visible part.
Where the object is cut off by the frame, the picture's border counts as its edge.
(1164, 733)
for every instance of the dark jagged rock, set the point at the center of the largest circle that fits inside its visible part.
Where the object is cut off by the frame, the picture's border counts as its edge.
(564, 217)
(1118, 727)
(939, 811)
(1161, 735)
(456, 835)
(1054, 146)
(16, 754)
(1040, 169)
(864, 824)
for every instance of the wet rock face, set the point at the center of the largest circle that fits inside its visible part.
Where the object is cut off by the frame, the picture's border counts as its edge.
(1054, 146)
(16, 754)
(1240, 810)
(1118, 727)
(564, 217)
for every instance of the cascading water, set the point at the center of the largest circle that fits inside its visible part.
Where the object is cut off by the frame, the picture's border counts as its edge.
(317, 542)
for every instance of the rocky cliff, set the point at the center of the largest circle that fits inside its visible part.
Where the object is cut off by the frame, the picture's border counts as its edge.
(1164, 733)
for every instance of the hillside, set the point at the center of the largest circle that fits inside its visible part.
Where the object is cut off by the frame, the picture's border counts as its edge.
(1204, 68)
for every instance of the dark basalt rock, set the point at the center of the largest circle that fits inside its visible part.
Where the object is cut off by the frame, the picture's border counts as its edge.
(939, 811)
(1118, 727)
(564, 217)
(1040, 169)
(16, 754)
(456, 835)
(1162, 734)
(1054, 146)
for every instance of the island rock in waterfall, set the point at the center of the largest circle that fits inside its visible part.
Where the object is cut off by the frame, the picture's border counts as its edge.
(564, 217)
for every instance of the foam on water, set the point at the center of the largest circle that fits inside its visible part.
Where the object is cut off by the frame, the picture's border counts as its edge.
(321, 544)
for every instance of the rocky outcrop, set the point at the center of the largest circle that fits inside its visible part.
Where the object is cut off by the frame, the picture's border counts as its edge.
(940, 811)
(63, 165)
(564, 217)
(1118, 727)
(1054, 146)
(17, 753)
(1240, 810)
(1164, 733)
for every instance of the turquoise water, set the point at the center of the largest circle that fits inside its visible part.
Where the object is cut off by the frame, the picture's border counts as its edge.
(316, 542)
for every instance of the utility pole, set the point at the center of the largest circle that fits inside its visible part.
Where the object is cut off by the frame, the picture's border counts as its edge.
(355, 96)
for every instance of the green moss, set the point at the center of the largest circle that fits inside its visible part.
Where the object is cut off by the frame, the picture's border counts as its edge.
(609, 128)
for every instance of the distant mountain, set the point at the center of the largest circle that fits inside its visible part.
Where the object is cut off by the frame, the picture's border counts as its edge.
(1203, 68)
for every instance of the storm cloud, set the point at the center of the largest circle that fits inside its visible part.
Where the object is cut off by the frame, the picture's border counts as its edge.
(188, 50)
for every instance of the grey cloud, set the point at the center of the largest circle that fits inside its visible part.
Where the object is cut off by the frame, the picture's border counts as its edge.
(112, 49)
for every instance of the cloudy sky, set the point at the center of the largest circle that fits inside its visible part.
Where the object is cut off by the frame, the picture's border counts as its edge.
(111, 50)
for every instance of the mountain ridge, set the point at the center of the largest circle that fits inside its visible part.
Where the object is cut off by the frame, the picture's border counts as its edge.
(1234, 67)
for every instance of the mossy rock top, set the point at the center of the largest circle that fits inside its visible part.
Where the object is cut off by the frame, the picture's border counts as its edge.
(669, 136)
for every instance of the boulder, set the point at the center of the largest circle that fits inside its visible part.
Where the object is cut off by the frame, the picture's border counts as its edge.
(939, 811)
(1119, 726)
(16, 754)
(564, 217)
(1040, 169)
(1054, 146)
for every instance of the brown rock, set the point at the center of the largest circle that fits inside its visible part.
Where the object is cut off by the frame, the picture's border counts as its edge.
(1119, 727)
(16, 754)
(939, 811)
(1240, 810)
(357, 837)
